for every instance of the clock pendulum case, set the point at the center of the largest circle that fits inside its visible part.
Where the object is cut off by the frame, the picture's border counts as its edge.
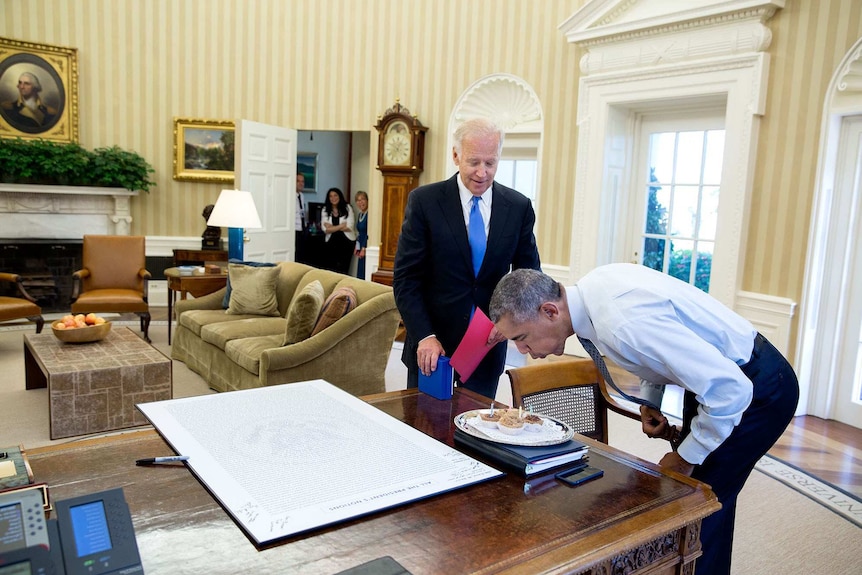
(400, 158)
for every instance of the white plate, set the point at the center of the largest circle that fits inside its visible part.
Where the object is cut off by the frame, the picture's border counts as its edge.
(553, 433)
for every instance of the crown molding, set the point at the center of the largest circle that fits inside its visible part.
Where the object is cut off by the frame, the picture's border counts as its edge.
(603, 21)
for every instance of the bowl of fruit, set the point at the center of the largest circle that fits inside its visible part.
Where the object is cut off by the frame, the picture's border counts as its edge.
(81, 328)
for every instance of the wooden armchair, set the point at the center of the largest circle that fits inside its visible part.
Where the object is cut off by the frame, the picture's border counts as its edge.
(572, 391)
(114, 278)
(12, 307)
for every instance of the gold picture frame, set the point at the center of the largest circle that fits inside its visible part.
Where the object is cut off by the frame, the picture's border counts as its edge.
(45, 75)
(204, 150)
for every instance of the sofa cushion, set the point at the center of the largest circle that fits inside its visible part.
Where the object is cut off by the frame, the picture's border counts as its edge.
(220, 333)
(246, 352)
(253, 290)
(303, 312)
(337, 305)
(226, 301)
(195, 319)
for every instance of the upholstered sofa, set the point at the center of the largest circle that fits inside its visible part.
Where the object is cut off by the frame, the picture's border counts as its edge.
(234, 351)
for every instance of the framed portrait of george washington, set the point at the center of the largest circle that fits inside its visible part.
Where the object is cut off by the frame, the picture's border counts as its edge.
(38, 91)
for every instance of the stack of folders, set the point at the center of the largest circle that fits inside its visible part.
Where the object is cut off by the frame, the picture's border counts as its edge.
(525, 460)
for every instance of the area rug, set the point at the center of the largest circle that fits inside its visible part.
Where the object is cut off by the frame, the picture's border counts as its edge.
(833, 498)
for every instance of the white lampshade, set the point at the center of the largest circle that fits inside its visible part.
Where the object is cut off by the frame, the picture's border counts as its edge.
(234, 209)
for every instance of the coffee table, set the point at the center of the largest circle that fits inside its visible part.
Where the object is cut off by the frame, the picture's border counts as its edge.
(93, 387)
(635, 519)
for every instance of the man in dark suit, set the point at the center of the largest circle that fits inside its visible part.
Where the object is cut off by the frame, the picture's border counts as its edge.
(436, 282)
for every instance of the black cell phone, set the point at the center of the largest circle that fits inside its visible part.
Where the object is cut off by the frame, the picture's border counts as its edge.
(578, 476)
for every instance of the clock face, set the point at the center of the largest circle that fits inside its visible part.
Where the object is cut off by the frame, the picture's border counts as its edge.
(396, 145)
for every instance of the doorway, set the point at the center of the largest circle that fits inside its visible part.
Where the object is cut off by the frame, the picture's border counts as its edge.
(829, 355)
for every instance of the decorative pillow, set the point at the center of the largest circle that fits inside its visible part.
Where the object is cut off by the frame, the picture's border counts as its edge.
(337, 305)
(226, 301)
(303, 312)
(253, 290)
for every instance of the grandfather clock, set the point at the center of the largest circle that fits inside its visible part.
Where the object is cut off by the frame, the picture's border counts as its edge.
(400, 158)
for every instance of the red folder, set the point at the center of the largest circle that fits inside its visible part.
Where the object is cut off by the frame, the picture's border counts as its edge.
(474, 345)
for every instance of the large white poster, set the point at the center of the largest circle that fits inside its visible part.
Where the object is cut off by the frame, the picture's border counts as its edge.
(290, 458)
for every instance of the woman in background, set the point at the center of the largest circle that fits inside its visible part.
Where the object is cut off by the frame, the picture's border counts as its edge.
(337, 221)
(361, 233)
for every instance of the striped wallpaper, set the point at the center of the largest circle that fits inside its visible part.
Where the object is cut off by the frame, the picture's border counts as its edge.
(338, 64)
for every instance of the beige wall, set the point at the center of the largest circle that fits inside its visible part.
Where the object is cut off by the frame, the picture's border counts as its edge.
(338, 64)
(809, 40)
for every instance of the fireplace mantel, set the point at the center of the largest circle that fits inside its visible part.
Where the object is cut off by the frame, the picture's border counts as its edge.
(63, 212)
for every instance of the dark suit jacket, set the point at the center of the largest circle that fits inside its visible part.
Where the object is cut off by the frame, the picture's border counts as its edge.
(433, 277)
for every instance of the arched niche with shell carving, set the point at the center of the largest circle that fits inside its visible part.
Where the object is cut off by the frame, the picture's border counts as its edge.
(507, 100)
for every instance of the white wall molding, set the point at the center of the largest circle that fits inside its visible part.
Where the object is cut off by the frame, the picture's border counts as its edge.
(771, 315)
(62, 212)
(649, 56)
(695, 26)
(164, 246)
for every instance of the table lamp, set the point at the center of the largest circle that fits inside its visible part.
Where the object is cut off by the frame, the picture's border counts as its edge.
(235, 210)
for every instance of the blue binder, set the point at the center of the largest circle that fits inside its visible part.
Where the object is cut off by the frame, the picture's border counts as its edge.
(441, 381)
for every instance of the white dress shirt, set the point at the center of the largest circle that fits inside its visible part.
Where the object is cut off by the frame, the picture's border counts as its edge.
(300, 212)
(667, 331)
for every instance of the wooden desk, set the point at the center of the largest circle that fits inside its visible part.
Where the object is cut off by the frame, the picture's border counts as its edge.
(633, 518)
(198, 284)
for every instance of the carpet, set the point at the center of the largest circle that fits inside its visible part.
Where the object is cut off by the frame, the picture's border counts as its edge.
(830, 496)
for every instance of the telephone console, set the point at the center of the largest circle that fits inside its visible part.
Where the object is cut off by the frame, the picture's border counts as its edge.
(91, 535)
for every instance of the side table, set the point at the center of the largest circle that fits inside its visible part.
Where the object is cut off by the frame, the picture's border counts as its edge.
(198, 257)
(198, 284)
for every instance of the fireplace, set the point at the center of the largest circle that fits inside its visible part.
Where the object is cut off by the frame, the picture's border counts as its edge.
(45, 267)
(42, 230)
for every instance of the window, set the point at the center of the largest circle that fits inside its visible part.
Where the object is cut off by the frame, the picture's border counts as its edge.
(678, 195)
(520, 175)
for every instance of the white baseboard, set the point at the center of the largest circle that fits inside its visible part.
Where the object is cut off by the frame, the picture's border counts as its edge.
(771, 315)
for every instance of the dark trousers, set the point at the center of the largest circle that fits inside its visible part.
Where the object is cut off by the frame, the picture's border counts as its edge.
(776, 393)
(339, 251)
(483, 381)
(300, 248)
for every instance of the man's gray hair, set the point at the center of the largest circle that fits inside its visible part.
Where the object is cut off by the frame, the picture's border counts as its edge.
(37, 86)
(521, 293)
(477, 127)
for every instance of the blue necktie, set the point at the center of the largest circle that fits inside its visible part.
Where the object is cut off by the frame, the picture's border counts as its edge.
(476, 235)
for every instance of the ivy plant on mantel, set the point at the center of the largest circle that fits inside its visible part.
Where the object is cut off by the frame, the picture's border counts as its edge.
(68, 164)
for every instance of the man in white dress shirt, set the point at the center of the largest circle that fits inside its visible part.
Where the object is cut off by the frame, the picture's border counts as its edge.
(740, 392)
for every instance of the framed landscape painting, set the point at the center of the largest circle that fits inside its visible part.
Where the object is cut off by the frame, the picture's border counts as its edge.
(306, 164)
(38, 91)
(203, 150)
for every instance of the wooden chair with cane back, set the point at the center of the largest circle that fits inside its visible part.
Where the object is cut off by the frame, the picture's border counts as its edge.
(572, 391)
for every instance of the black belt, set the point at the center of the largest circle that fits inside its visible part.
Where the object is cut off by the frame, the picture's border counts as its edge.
(759, 343)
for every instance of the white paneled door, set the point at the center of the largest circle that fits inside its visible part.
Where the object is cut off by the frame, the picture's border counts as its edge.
(266, 167)
(848, 371)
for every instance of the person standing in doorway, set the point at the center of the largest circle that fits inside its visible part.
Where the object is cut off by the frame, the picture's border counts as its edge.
(300, 225)
(337, 222)
(361, 233)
